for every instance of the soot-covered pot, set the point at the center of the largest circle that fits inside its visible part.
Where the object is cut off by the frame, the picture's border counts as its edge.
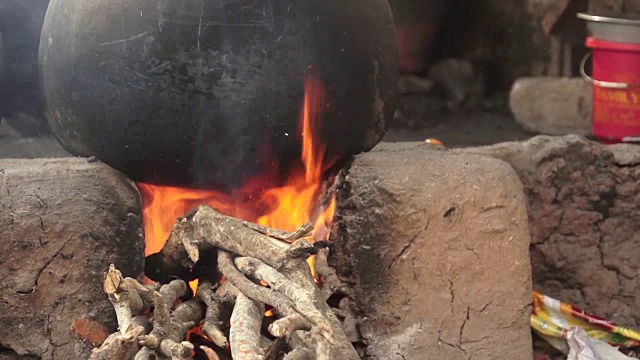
(196, 92)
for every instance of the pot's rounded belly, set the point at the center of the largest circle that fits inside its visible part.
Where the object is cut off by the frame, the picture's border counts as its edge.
(194, 92)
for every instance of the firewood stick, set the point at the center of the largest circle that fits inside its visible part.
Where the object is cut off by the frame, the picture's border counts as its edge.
(300, 249)
(123, 311)
(300, 354)
(164, 299)
(244, 335)
(301, 297)
(339, 345)
(323, 348)
(211, 355)
(281, 303)
(117, 346)
(177, 350)
(285, 326)
(143, 321)
(298, 271)
(126, 301)
(273, 348)
(128, 296)
(293, 319)
(145, 353)
(122, 346)
(350, 322)
(227, 292)
(300, 340)
(304, 231)
(206, 228)
(145, 291)
(330, 281)
(184, 318)
(212, 318)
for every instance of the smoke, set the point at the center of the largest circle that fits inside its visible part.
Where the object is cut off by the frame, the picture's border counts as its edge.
(20, 27)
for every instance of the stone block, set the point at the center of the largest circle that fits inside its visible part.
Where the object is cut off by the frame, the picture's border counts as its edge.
(63, 222)
(435, 249)
(584, 216)
(552, 106)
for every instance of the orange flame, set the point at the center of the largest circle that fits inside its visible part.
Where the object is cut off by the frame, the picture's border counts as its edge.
(289, 206)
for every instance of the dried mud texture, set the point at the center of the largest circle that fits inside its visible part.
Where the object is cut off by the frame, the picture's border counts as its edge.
(434, 247)
(62, 221)
(584, 215)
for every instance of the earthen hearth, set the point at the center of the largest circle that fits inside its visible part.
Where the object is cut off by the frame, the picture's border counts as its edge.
(583, 213)
(429, 252)
(63, 222)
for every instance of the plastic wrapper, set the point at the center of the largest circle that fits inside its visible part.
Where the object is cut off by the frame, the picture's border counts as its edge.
(552, 318)
(584, 347)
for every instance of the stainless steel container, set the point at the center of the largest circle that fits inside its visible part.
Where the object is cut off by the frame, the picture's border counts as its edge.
(616, 29)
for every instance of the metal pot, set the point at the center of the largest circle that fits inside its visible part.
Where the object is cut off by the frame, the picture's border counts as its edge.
(193, 92)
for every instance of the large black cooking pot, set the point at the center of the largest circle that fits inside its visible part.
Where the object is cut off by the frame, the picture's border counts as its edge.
(205, 93)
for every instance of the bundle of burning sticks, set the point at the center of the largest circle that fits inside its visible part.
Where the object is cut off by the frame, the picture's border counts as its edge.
(257, 270)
